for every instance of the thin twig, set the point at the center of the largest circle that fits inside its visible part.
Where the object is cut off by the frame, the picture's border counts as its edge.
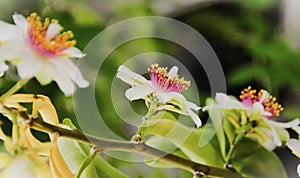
(127, 146)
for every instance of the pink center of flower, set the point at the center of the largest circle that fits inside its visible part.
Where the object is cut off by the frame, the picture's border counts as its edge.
(46, 38)
(249, 97)
(163, 80)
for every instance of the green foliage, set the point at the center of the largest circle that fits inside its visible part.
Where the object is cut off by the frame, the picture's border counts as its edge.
(253, 160)
(81, 162)
(188, 141)
(245, 155)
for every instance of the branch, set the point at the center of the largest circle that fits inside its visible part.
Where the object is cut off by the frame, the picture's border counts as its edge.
(141, 148)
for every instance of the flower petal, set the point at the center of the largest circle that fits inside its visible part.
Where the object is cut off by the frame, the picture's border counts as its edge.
(73, 52)
(192, 106)
(8, 32)
(225, 102)
(195, 118)
(5, 159)
(259, 107)
(10, 51)
(137, 92)
(298, 170)
(229, 102)
(52, 31)
(296, 129)
(294, 145)
(58, 166)
(130, 77)
(65, 83)
(276, 137)
(20, 21)
(21, 166)
(28, 66)
(69, 68)
(44, 74)
(173, 72)
(165, 97)
(291, 124)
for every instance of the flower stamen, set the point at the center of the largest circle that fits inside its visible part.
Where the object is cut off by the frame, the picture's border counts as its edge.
(269, 103)
(169, 82)
(249, 97)
(46, 38)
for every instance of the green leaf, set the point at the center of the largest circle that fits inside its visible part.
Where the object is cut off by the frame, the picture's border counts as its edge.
(86, 162)
(165, 145)
(253, 160)
(229, 129)
(90, 171)
(73, 152)
(188, 140)
(79, 160)
(165, 115)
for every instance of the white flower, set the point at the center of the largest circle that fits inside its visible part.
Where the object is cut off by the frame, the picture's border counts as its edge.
(224, 101)
(165, 85)
(263, 103)
(40, 50)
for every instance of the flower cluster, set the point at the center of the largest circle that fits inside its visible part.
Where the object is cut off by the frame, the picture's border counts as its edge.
(39, 49)
(267, 131)
(165, 86)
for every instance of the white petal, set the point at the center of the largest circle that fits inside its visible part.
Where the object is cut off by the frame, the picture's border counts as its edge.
(175, 99)
(173, 72)
(192, 106)
(44, 75)
(276, 137)
(20, 21)
(10, 51)
(195, 118)
(259, 107)
(21, 166)
(73, 52)
(137, 92)
(294, 145)
(265, 96)
(66, 66)
(296, 129)
(298, 170)
(179, 100)
(165, 97)
(3, 67)
(8, 32)
(228, 102)
(52, 31)
(130, 77)
(65, 83)
(268, 143)
(28, 66)
(290, 124)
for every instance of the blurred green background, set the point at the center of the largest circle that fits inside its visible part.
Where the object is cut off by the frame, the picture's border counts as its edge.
(257, 42)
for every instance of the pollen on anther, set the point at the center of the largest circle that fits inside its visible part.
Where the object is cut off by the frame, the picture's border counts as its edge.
(249, 97)
(37, 32)
(162, 79)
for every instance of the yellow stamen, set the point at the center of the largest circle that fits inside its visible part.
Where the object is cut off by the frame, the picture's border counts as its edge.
(37, 36)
